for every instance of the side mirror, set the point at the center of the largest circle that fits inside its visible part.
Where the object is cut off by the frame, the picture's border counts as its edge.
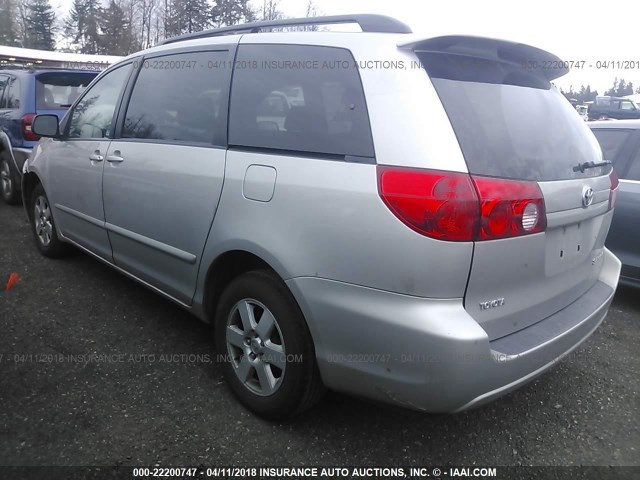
(46, 126)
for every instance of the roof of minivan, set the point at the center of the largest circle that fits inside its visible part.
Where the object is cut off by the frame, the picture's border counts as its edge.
(347, 40)
(336, 39)
(366, 21)
(378, 31)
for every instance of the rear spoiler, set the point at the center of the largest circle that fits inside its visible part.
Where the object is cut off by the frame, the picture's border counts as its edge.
(530, 58)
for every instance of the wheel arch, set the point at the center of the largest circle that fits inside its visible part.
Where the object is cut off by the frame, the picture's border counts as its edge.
(29, 182)
(5, 143)
(223, 270)
(7, 146)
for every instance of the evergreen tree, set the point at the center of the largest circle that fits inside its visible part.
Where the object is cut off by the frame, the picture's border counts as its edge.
(612, 91)
(187, 16)
(9, 29)
(83, 25)
(74, 24)
(231, 12)
(115, 30)
(620, 88)
(583, 95)
(39, 22)
(589, 96)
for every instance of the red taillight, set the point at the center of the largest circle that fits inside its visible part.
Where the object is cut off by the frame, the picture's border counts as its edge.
(437, 204)
(509, 208)
(613, 193)
(26, 122)
(458, 207)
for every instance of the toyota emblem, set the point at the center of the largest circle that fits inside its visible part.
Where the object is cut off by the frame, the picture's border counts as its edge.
(587, 196)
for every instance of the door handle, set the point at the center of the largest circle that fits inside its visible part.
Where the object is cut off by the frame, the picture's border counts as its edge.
(96, 157)
(115, 158)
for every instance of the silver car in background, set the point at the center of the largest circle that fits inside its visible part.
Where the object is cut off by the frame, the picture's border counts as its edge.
(369, 212)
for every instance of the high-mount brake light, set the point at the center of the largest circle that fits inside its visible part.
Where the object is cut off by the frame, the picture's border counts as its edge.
(458, 207)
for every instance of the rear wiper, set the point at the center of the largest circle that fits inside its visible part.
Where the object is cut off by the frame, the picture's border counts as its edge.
(581, 167)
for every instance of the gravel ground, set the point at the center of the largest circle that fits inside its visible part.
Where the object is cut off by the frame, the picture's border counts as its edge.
(154, 407)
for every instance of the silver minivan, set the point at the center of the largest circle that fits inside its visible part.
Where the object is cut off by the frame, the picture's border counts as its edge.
(369, 212)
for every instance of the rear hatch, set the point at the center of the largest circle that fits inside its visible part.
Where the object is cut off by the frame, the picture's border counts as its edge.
(56, 91)
(512, 124)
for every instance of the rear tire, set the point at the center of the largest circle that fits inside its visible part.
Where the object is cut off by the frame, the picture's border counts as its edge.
(8, 180)
(268, 358)
(43, 226)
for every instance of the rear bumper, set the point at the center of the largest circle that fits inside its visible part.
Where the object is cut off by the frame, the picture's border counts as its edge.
(429, 354)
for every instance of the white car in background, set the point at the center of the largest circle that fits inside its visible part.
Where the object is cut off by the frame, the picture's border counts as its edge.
(583, 110)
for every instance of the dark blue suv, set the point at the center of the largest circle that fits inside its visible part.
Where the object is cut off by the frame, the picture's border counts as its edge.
(23, 95)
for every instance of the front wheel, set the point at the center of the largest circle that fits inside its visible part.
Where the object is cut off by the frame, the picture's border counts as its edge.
(267, 351)
(43, 226)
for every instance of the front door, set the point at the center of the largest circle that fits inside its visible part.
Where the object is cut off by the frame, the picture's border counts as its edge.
(74, 185)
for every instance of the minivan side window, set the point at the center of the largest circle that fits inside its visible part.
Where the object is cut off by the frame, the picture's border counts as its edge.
(92, 117)
(180, 98)
(299, 98)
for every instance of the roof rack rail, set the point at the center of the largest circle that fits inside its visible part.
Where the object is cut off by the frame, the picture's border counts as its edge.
(367, 22)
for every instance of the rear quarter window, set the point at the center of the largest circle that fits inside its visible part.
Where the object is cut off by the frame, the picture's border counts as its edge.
(288, 97)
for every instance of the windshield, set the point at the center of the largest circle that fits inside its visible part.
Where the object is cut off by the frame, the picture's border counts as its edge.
(510, 122)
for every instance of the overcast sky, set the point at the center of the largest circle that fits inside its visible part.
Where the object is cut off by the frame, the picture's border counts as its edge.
(560, 27)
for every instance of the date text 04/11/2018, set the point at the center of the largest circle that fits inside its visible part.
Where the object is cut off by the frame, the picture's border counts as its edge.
(581, 64)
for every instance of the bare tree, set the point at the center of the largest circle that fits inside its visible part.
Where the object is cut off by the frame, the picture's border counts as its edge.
(312, 9)
(9, 23)
(270, 10)
(23, 27)
(131, 10)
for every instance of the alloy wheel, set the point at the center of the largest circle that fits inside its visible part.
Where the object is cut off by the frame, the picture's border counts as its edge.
(256, 347)
(5, 179)
(42, 220)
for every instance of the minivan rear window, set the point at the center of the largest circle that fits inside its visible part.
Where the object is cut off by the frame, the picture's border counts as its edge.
(511, 122)
(55, 90)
